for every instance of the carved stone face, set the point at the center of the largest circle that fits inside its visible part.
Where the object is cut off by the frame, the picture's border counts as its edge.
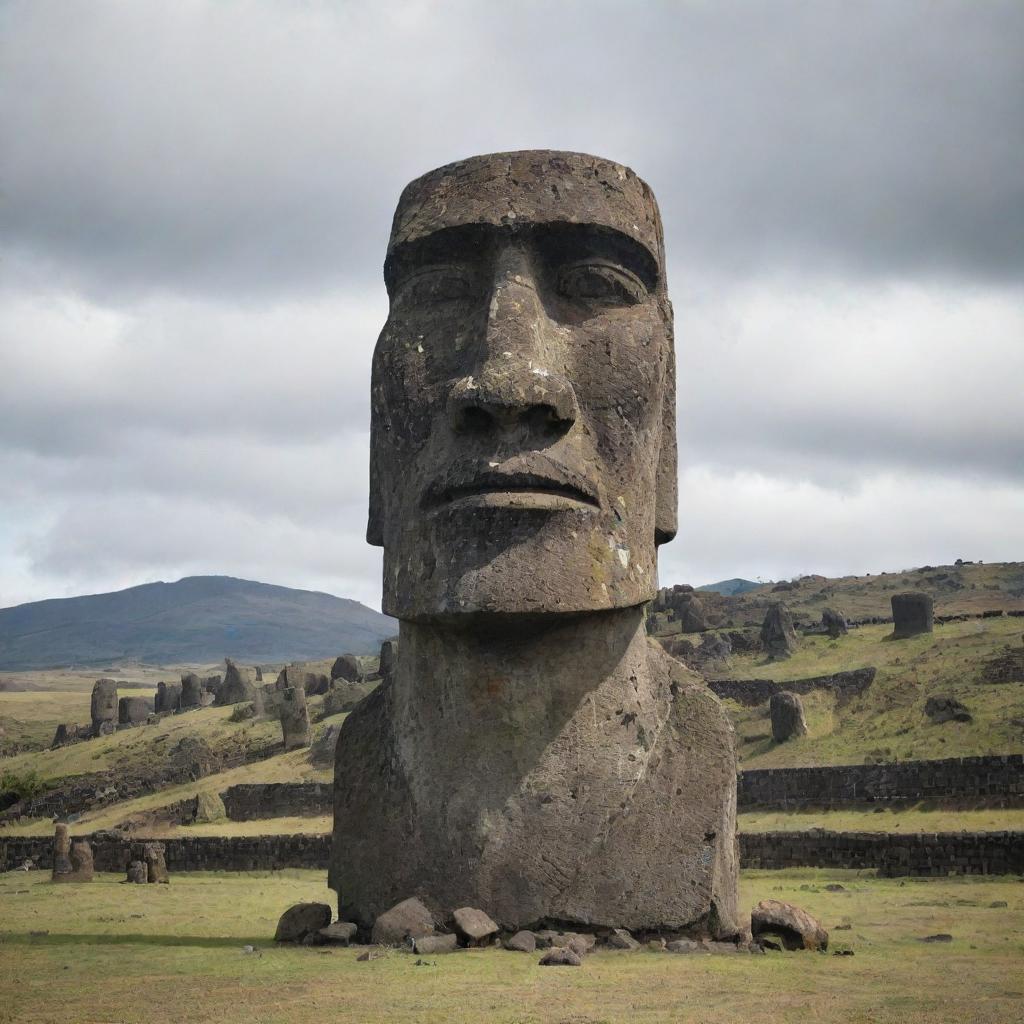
(523, 400)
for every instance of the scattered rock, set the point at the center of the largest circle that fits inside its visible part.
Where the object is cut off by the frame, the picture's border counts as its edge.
(474, 925)
(946, 709)
(787, 715)
(997, 904)
(137, 873)
(835, 887)
(794, 927)
(522, 942)
(346, 667)
(938, 937)
(409, 919)
(621, 939)
(560, 956)
(427, 945)
(340, 933)
(371, 954)
(300, 920)
(683, 946)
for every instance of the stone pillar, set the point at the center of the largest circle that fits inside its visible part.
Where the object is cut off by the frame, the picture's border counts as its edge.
(912, 614)
(104, 707)
(778, 637)
(787, 715)
(191, 690)
(294, 718)
(132, 711)
(387, 657)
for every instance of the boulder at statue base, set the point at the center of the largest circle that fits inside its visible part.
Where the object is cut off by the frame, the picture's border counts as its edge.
(409, 919)
(522, 942)
(474, 926)
(561, 956)
(340, 933)
(302, 919)
(794, 927)
(427, 945)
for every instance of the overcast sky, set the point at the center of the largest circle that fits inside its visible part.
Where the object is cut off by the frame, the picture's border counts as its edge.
(195, 200)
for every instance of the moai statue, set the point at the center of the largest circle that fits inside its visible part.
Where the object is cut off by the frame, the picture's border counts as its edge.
(531, 754)
(833, 622)
(133, 711)
(239, 684)
(156, 865)
(912, 614)
(787, 714)
(778, 637)
(72, 861)
(191, 690)
(137, 872)
(294, 718)
(168, 698)
(104, 707)
(346, 666)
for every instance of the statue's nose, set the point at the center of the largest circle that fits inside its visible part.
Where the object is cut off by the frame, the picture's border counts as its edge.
(517, 385)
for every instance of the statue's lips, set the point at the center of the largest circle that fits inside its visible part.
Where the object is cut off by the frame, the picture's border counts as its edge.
(497, 489)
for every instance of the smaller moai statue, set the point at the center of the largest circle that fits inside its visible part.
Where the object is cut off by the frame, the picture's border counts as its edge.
(787, 715)
(913, 613)
(387, 657)
(191, 690)
(132, 711)
(778, 637)
(346, 667)
(137, 873)
(294, 718)
(168, 698)
(72, 860)
(103, 707)
(833, 622)
(239, 684)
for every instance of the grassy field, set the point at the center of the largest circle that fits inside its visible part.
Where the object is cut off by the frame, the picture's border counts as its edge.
(888, 722)
(109, 952)
(919, 818)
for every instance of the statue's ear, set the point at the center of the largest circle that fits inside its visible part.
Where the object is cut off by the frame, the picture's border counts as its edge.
(666, 511)
(375, 518)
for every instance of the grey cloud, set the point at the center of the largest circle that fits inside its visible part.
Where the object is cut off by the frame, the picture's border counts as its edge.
(240, 148)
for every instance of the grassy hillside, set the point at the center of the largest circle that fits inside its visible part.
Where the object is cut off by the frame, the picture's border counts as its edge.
(887, 722)
(197, 619)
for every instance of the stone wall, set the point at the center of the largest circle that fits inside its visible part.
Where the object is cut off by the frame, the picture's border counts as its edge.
(199, 853)
(752, 692)
(891, 854)
(278, 800)
(995, 779)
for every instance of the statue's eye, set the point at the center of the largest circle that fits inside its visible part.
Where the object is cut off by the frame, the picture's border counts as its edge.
(600, 283)
(434, 285)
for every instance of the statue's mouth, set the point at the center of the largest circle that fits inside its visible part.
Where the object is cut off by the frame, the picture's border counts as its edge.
(507, 486)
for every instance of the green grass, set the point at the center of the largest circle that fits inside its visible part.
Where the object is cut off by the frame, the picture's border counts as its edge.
(887, 722)
(142, 953)
(905, 819)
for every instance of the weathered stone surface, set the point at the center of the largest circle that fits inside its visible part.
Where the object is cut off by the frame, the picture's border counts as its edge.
(787, 715)
(137, 872)
(61, 852)
(294, 718)
(156, 865)
(683, 946)
(912, 614)
(312, 677)
(833, 622)
(103, 707)
(191, 690)
(946, 709)
(522, 942)
(168, 698)
(133, 711)
(530, 753)
(778, 637)
(340, 933)
(474, 925)
(409, 919)
(346, 667)
(387, 657)
(427, 945)
(209, 807)
(560, 956)
(795, 927)
(621, 939)
(321, 752)
(302, 919)
(239, 685)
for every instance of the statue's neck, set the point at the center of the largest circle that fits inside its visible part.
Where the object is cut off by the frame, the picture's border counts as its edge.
(511, 673)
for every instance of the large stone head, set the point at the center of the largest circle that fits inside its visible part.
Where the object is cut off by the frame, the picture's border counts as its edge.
(523, 455)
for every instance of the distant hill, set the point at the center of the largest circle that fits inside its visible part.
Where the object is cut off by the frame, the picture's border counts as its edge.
(730, 587)
(199, 619)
